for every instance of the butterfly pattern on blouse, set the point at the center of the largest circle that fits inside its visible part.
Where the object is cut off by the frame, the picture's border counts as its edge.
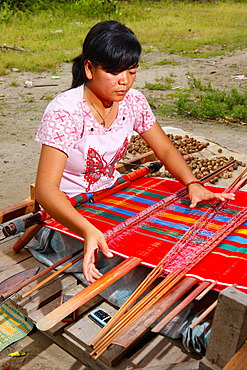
(96, 165)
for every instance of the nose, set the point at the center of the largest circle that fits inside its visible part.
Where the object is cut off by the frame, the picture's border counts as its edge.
(123, 78)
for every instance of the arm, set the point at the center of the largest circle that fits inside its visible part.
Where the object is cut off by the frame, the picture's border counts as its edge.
(50, 169)
(177, 166)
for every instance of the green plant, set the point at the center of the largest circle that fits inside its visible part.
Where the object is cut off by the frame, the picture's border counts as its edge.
(213, 104)
(14, 83)
(165, 62)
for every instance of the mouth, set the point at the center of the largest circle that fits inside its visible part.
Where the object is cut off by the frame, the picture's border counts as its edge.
(121, 92)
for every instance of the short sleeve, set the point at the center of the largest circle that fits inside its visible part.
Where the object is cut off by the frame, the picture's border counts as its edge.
(57, 129)
(144, 117)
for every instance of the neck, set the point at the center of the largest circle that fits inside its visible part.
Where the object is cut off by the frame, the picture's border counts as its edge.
(101, 112)
(95, 100)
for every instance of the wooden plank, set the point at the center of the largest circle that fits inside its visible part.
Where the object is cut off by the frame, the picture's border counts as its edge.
(38, 299)
(80, 352)
(8, 258)
(39, 313)
(17, 210)
(159, 351)
(239, 360)
(84, 330)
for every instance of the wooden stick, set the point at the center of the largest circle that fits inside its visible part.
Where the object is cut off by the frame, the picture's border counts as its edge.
(26, 237)
(40, 274)
(154, 274)
(184, 303)
(86, 294)
(211, 286)
(144, 321)
(203, 315)
(51, 277)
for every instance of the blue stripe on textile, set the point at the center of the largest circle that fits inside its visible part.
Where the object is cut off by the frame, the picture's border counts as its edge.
(174, 225)
(121, 211)
(237, 239)
(136, 199)
(221, 218)
(185, 210)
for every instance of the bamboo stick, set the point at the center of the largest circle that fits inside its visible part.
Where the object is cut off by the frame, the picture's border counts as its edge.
(210, 287)
(203, 315)
(51, 277)
(147, 282)
(40, 274)
(183, 304)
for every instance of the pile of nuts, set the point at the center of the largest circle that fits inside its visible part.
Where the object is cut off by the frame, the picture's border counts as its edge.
(186, 145)
(201, 167)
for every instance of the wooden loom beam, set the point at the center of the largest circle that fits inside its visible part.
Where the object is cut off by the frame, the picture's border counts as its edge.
(183, 304)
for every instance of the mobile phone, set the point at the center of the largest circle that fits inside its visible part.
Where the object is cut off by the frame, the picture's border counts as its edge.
(72, 315)
(100, 316)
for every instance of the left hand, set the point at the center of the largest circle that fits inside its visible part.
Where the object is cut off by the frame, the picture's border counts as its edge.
(198, 194)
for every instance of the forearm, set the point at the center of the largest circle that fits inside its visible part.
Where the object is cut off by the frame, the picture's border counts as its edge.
(168, 154)
(176, 165)
(56, 204)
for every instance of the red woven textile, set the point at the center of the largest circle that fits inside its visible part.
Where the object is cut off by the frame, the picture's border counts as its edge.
(153, 237)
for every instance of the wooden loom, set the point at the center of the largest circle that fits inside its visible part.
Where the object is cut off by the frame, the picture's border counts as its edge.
(186, 282)
(173, 278)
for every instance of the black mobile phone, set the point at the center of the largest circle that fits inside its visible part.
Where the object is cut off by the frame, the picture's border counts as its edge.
(72, 315)
(100, 316)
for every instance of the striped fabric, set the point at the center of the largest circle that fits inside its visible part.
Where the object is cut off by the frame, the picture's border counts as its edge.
(154, 236)
(13, 325)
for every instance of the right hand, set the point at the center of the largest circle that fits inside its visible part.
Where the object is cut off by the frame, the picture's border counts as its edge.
(93, 241)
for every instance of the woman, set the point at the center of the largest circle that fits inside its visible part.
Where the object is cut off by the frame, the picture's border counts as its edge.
(85, 132)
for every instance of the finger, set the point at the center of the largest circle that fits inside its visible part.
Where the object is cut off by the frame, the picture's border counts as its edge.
(96, 274)
(86, 265)
(93, 274)
(105, 249)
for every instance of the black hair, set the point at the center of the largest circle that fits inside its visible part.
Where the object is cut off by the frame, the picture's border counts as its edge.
(108, 44)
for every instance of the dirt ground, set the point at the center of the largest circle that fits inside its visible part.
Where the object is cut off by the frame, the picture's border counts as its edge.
(21, 110)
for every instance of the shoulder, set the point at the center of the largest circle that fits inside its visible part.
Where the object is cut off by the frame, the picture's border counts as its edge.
(66, 101)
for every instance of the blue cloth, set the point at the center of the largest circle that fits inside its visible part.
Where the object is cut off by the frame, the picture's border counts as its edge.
(50, 246)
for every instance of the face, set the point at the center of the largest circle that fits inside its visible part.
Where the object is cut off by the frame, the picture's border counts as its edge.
(109, 87)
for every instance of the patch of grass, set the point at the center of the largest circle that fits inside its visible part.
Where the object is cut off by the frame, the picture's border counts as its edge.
(163, 83)
(165, 62)
(171, 26)
(208, 103)
(158, 86)
(14, 83)
(203, 102)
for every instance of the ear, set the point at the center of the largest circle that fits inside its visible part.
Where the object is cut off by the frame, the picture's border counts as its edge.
(88, 69)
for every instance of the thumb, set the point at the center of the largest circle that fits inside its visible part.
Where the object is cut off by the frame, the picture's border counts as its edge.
(105, 250)
(193, 203)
